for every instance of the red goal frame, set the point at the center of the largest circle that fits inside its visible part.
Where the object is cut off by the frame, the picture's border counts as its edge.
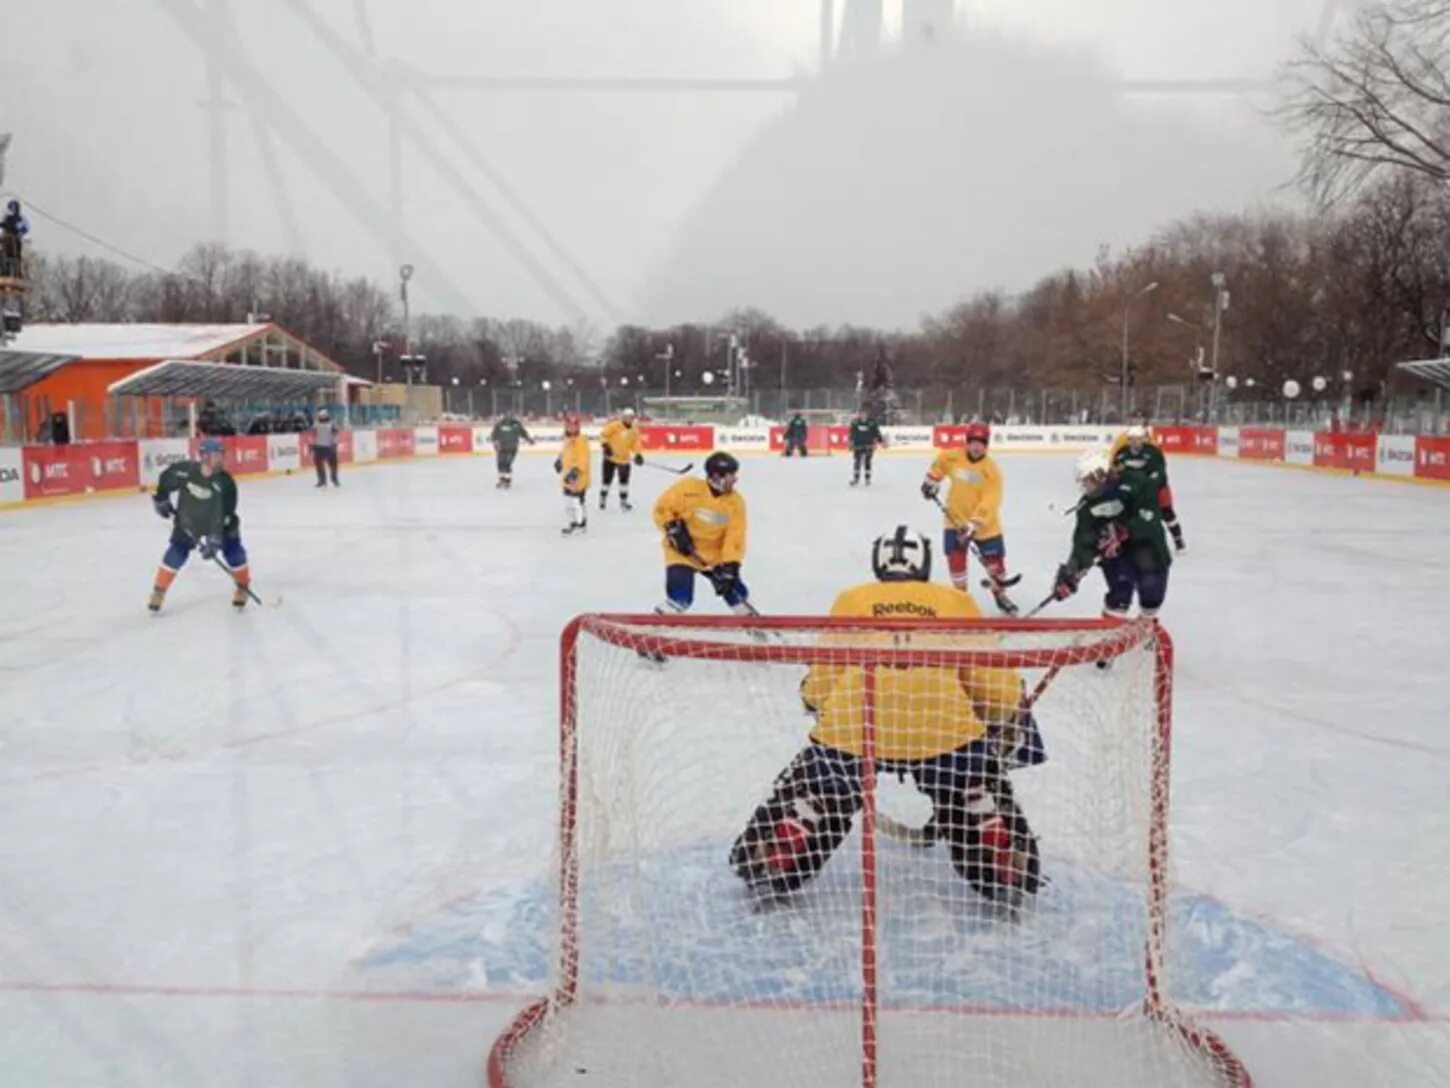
(640, 633)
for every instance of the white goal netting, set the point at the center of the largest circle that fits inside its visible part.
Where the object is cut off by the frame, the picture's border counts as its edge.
(884, 853)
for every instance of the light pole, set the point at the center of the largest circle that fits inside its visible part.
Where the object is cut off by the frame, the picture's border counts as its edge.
(1123, 375)
(405, 273)
(1220, 306)
(668, 358)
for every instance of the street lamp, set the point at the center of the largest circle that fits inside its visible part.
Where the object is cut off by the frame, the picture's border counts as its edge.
(1123, 376)
(1220, 307)
(668, 358)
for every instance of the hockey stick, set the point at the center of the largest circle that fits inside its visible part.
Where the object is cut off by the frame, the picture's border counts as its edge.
(667, 468)
(275, 602)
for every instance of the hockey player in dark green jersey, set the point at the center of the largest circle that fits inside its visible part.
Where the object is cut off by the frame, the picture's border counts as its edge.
(507, 433)
(204, 517)
(865, 436)
(1135, 455)
(1118, 526)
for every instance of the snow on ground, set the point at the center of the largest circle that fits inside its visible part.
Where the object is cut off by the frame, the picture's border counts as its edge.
(220, 834)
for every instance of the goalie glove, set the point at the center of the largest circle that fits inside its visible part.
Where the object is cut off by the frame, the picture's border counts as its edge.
(162, 505)
(725, 577)
(678, 534)
(1065, 584)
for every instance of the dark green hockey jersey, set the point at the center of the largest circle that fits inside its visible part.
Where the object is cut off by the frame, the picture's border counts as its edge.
(508, 433)
(1126, 504)
(1147, 462)
(865, 433)
(205, 505)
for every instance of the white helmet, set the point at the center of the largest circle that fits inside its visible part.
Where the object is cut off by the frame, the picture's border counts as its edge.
(627, 413)
(1092, 468)
(1136, 433)
(901, 556)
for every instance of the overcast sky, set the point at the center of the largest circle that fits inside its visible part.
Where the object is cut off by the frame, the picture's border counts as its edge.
(885, 193)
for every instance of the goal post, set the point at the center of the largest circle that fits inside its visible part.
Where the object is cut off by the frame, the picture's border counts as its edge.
(737, 901)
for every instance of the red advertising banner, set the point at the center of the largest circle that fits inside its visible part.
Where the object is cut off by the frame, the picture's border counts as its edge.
(1354, 452)
(344, 447)
(1432, 457)
(1206, 441)
(246, 454)
(455, 439)
(662, 438)
(113, 465)
(1261, 444)
(395, 443)
(1177, 439)
(50, 471)
(55, 470)
(948, 436)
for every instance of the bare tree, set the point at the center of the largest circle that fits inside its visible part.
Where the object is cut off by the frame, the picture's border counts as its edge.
(1376, 99)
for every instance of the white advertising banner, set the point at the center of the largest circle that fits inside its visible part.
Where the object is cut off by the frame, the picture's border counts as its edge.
(157, 453)
(1228, 441)
(482, 442)
(364, 446)
(909, 438)
(12, 482)
(1299, 447)
(284, 452)
(1394, 454)
(425, 441)
(744, 438)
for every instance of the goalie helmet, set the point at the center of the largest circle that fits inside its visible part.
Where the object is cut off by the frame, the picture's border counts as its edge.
(902, 555)
(1092, 469)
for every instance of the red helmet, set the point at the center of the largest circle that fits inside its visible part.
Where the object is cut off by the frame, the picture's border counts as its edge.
(978, 432)
(571, 422)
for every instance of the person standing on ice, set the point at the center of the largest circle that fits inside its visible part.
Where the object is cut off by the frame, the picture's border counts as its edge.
(1136, 454)
(619, 445)
(865, 437)
(204, 517)
(572, 465)
(324, 448)
(972, 512)
(506, 435)
(1119, 527)
(703, 522)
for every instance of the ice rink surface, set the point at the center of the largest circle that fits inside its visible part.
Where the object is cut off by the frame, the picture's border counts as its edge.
(220, 834)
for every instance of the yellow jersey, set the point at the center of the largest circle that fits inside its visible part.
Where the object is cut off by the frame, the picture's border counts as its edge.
(716, 523)
(975, 495)
(620, 441)
(575, 455)
(920, 711)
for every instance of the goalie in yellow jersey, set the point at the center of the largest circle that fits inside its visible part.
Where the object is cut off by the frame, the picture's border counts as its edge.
(956, 731)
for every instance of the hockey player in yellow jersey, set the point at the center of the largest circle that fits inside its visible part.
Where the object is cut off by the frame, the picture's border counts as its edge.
(619, 444)
(572, 465)
(703, 522)
(956, 731)
(973, 512)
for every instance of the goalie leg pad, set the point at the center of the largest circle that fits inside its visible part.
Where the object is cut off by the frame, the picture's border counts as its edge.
(794, 833)
(991, 844)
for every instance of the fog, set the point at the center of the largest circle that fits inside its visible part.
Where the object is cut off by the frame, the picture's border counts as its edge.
(986, 156)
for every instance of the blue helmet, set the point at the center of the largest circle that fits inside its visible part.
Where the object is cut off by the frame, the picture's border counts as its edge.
(211, 444)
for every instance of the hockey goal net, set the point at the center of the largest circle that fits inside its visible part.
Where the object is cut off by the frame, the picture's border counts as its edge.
(920, 947)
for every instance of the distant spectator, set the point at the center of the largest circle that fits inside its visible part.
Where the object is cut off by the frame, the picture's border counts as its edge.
(60, 428)
(13, 228)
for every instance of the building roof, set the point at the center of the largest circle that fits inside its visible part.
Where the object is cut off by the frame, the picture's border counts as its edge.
(135, 341)
(1432, 370)
(184, 378)
(22, 369)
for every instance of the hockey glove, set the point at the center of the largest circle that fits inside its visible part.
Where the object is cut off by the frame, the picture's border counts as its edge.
(571, 479)
(725, 577)
(929, 489)
(558, 464)
(163, 506)
(639, 458)
(678, 534)
(1065, 585)
(208, 546)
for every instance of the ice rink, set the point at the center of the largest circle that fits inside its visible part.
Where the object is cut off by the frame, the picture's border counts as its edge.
(286, 848)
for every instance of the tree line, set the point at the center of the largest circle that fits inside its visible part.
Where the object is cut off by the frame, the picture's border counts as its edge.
(1356, 284)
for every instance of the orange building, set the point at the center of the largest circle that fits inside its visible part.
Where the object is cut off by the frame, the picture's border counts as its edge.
(86, 360)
